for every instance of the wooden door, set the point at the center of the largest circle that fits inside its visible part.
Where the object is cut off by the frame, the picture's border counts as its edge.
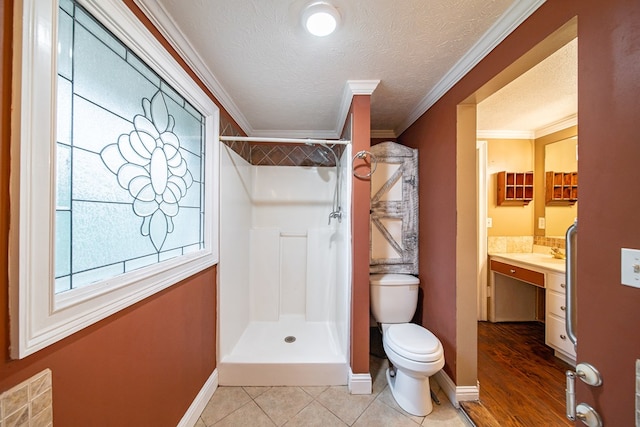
(608, 316)
(394, 210)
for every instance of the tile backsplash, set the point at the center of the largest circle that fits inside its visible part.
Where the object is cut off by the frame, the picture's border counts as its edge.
(554, 242)
(30, 403)
(511, 244)
(270, 154)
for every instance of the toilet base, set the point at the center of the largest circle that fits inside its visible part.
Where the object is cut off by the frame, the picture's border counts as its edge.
(411, 393)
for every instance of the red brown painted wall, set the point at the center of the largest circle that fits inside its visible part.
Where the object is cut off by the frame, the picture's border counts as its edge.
(141, 366)
(434, 134)
(609, 107)
(361, 201)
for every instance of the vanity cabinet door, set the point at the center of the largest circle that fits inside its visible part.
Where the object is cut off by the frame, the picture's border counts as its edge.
(556, 335)
(393, 233)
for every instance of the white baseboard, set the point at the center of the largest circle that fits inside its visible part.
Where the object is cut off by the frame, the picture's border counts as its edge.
(190, 417)
(359, 383)
(456, 394)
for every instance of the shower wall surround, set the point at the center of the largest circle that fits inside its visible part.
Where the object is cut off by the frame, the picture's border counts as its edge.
(284, 269)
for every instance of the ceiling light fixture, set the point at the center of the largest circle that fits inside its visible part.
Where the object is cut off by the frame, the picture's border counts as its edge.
(320, 18)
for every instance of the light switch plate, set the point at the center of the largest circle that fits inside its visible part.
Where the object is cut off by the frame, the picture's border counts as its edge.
(630, 267)
(489, 222)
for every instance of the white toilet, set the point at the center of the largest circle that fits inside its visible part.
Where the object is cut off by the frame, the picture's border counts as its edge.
(414, 351)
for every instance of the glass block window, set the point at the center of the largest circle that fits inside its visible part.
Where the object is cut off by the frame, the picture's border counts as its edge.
(130, 159)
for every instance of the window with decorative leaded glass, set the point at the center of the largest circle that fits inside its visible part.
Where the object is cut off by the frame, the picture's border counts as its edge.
(118, 195)
(130, 152)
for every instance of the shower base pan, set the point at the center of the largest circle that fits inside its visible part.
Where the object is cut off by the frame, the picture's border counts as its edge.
(286, 353)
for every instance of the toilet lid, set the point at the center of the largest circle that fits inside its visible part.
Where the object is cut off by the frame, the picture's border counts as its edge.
(413, 342)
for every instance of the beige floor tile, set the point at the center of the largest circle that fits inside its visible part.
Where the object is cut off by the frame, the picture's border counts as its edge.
(386, 397)
(200, 423)
(380, 415)
(248, 415)
(255, 391)
(315, 415)
(445, 414)
(283, 403)
(314, 391)
(347, 407)
(224, 401)
(378, 368)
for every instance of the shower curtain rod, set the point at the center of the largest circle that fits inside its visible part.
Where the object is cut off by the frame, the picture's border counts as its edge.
(284, 140)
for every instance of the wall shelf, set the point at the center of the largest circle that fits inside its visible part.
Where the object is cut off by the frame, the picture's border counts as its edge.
(561, 188)
(515, 188)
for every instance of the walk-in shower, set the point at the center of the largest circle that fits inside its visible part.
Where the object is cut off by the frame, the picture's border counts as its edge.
(284, 272)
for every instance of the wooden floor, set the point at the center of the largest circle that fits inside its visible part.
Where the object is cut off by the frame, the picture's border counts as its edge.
(521, 382)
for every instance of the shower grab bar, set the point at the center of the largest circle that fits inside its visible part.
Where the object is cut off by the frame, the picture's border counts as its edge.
(570, 294)
(373, 162)
(283, 140)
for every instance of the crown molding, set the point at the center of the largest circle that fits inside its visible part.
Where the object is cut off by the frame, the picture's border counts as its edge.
(557, 126)
(352, 88)
(509, 21)
(383, 133)
(505, 134)
(562, 124)
(159, 17)
(362, 87)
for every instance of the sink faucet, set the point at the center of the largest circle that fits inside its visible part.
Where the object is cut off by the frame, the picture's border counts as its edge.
(557, 253)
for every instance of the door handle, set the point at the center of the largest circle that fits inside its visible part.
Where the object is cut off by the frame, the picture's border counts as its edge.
(583, 412)
(571, 236)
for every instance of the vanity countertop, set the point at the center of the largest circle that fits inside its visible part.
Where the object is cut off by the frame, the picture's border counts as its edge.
(532, 259)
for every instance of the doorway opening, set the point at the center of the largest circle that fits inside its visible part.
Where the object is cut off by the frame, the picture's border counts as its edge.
(522, 228)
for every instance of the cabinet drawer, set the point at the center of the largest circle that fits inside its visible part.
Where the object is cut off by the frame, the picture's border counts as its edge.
(520, 273)
(557, 336)
(556, 304)
(556, 282)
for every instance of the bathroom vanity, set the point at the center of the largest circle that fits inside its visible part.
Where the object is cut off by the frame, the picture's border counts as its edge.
(531, 287)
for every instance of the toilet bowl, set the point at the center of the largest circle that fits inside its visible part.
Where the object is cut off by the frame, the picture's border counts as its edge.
(414, 351)
(416, 355)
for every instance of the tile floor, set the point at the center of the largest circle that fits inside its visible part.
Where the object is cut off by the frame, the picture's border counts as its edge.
(322, 406)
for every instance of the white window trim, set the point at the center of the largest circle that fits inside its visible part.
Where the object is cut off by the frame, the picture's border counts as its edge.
(39, 317)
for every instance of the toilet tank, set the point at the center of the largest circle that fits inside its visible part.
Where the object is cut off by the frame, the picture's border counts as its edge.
(394, 297)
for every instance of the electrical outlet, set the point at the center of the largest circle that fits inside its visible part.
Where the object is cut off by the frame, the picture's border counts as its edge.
(630, 267)
(542, 223)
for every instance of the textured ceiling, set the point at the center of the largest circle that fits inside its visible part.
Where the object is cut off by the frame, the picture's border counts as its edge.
(538, 99)
(275, 79)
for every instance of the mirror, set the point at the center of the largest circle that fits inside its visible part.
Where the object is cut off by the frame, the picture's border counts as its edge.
(560, 156)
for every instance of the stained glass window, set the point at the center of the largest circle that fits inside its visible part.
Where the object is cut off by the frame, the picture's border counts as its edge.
(110, 206)
(130, 159)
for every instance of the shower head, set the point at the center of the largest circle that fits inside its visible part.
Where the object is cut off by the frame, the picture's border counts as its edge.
(329, 149)
(324, 155)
